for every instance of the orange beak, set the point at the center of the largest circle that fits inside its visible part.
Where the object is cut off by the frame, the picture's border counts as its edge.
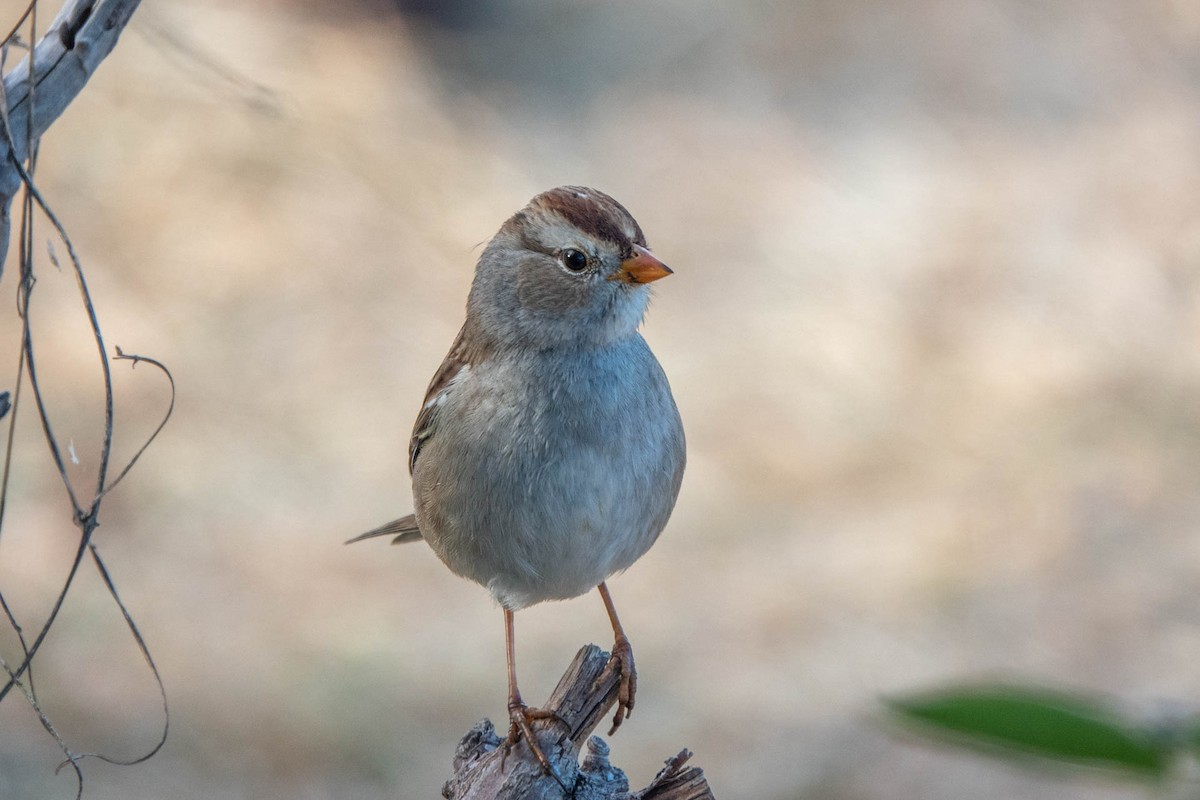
(641, 267)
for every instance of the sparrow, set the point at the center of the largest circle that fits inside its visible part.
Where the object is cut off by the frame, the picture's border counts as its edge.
(548, 452)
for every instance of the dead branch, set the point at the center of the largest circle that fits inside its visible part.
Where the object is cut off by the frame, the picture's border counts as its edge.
(482, 770)
(79, 38)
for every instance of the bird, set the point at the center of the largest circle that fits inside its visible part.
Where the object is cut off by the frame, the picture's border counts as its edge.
(548, 452)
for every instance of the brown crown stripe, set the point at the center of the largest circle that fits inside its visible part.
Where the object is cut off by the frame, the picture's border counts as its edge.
(594, 213)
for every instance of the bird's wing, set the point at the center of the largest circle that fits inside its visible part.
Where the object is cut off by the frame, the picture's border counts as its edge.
(455, 364)
(404, 529)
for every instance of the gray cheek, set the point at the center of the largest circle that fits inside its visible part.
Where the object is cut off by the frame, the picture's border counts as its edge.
(542, 287)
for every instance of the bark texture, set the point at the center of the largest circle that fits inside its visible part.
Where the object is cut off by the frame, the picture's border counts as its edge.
(41, 87)
(484, 771)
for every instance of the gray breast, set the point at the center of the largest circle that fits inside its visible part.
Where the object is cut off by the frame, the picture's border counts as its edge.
(541, 493)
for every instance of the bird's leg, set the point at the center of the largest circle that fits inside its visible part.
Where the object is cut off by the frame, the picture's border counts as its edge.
(621, 661)
(520, 714)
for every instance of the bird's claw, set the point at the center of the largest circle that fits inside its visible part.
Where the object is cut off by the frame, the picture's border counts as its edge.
(621, 661)
(519, 716)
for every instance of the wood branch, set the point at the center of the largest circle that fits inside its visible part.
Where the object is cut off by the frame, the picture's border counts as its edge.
(483, 771)
(79, 38)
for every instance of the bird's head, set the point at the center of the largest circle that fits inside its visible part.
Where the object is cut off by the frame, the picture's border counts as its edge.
(570, 269)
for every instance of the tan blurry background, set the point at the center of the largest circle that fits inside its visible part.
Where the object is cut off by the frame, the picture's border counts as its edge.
(932, 331)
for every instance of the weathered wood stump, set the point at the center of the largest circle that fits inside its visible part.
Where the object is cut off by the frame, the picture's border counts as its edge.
(483, 771)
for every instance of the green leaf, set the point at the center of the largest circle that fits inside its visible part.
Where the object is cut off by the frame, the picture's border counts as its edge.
(1030, 720)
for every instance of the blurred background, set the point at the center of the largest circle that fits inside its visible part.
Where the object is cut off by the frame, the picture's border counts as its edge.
(933, 333)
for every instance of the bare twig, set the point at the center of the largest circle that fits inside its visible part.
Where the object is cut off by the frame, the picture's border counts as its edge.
(40, 88)
(31, 97)
(71, 758)
(74, 17)
(145, 651)
(203, 65)
(120, 356)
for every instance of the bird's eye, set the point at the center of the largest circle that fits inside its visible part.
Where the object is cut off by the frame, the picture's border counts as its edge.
(573, 260)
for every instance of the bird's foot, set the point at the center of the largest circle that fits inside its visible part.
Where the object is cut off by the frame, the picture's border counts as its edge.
(621, 661)
(519, 716)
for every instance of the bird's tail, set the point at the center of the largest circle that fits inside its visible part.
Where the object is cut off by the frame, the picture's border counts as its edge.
(404, 529)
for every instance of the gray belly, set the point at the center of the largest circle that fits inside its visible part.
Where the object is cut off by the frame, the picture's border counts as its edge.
(534, 509)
